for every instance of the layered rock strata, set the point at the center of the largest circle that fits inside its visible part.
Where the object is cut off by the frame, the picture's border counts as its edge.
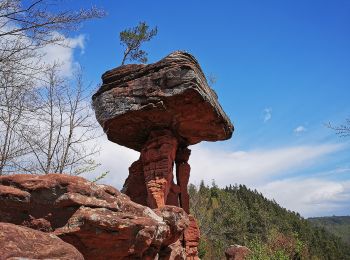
(18, 242)
(169, 94)
(97, 220)
(159, 110)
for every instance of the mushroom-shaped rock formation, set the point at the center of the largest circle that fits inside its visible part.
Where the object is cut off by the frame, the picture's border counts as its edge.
(159, 110)
(169, 94)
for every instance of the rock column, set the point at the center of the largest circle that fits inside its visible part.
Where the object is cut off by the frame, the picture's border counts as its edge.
(158, 156)
(182, 176)
(191, 239)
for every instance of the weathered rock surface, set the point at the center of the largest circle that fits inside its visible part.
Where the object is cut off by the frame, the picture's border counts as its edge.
(237, 252)
(169, 94)
(50, 200)
(104, 234)
(159, 110)
(191, 239)
(98, 220)
(18, 242)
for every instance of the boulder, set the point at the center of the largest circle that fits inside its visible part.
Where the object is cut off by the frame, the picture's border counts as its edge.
(169, 94)
(17, 242)
(98, 220)
(237, 252)
(50, 200)
(101, 233)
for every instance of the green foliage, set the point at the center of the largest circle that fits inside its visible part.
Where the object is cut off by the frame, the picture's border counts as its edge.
(259, 250)
(202, 248)
(237, 215)
(100, 177)
(132, 39)
(339, 226)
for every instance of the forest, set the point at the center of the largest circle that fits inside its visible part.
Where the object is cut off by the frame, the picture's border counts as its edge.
(338, 225)
(238, 215)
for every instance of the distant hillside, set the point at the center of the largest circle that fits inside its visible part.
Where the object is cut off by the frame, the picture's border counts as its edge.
(339, 226)
(238, 215)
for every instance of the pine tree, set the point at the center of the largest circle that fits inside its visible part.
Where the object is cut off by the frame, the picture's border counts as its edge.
(133, 38)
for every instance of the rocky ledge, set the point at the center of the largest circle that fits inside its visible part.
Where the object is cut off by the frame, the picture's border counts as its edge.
(57, 213)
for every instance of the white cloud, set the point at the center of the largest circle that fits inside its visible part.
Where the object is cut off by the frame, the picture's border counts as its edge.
(310, 196)
(253, 167)
(116, 159)
(257, 169)
(336, 172)
(64, 54)
(267, 114)
(300, 129)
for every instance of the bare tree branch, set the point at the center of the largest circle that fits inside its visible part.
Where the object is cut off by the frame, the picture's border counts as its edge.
(342, 130)
(45, 121)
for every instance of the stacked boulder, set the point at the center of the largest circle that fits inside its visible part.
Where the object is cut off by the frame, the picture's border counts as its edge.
(158, 110)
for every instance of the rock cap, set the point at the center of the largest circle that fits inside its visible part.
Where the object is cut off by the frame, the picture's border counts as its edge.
(172, 93)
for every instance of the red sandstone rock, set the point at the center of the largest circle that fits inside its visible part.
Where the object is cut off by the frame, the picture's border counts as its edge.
(152, 177)
(18, 242)
(169, 94)
(191, 239)
(182, 176)
(98, 220)
(134, 185)
(158, 157)
(54, 198)
(236, 252)
(105, 234)
(174, 251)
(160, 109)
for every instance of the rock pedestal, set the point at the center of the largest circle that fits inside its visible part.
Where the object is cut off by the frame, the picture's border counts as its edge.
(159, 110)
(157, 156)
(183, 176)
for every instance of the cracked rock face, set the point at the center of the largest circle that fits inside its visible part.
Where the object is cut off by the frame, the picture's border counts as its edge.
(159, 110)
(169, 94)
(104, 234)
(18, 242)
(97, 220)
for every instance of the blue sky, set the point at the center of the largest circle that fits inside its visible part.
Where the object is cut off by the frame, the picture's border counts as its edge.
(283, 72)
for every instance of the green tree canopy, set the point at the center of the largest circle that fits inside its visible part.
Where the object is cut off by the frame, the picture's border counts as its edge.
(132, 39)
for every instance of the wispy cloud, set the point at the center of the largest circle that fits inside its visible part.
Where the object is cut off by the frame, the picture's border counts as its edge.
(254, 167)
(267, 114)
(310, 196)
(64, 54)
(300, 129)
(269, 172)
(264, 169)
(116, 159)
